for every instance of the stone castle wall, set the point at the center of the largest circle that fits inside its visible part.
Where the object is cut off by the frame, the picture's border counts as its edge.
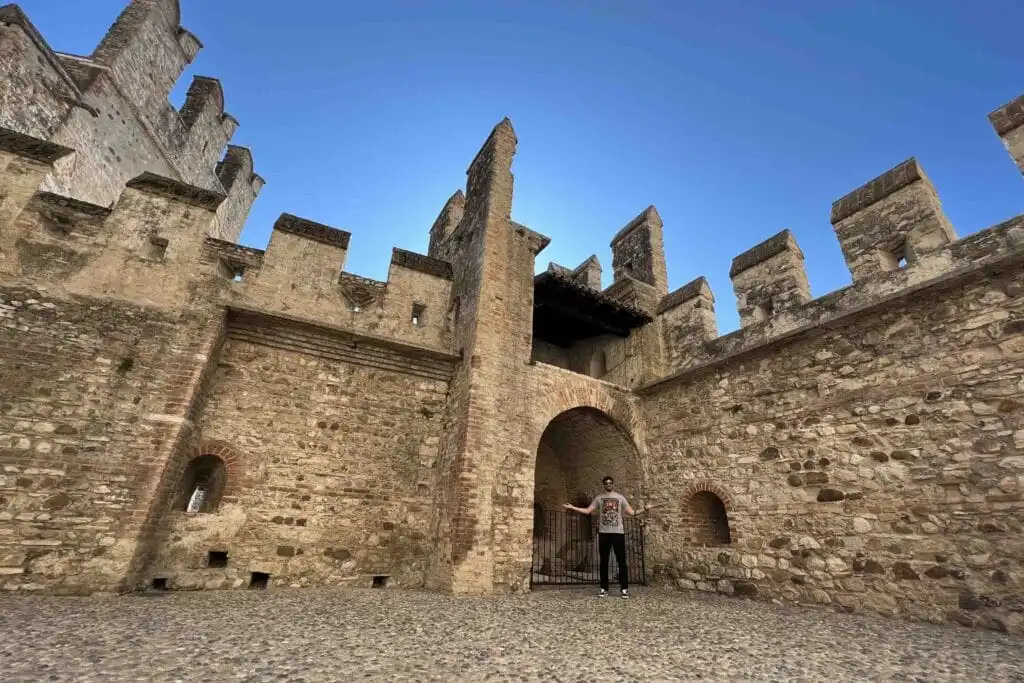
(112, 109)
(876, 464)
(860, 450)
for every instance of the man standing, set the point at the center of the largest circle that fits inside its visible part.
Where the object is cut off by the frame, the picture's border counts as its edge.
(611, 535)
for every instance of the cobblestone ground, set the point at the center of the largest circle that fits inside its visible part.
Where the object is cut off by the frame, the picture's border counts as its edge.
(393, 635)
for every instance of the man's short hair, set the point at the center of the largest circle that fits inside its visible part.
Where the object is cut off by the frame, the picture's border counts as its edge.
(607, 479)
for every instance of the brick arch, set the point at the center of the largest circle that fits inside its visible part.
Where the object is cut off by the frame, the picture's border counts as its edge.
(513, 493)
(701, 485)
(688, 502)
(232, 458)
(587, 395)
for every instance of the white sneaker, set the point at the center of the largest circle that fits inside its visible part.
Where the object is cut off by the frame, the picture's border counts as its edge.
(602, 593)
(625, 593)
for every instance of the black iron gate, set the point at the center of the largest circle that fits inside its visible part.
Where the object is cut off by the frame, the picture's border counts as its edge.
(565, 550)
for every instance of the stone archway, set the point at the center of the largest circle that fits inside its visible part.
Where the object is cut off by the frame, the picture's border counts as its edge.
(577, 449)
(513, 494)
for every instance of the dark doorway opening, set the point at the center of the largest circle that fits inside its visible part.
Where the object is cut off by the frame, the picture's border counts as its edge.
(259, 580)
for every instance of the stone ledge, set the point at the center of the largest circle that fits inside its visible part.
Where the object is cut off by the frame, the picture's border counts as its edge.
(50, 199)
(423, 264)
(178, 191)
(773, 246)
(237, 311)
(32, 148)
(690, 290)
(318, 232)
(876, 190)
(650, 214)
(1008, 116)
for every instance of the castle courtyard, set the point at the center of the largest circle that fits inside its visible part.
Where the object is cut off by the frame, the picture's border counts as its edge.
(552, 635)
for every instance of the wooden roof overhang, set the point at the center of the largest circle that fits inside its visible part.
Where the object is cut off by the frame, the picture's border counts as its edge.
(565, 311)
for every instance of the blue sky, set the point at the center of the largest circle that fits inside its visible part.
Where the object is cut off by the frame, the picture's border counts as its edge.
(735, 119)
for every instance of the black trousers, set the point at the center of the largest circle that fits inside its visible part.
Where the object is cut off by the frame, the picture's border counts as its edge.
(605, 544)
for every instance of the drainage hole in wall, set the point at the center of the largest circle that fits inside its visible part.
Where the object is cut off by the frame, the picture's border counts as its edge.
(381, 581)
(217, 559)
(159, 584)
(259, 580)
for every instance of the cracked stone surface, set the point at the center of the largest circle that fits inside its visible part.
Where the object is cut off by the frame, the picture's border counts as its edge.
(555, 635)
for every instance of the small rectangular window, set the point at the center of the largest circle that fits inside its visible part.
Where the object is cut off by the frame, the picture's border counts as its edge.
(230, 270)
(259, 580)
(217, 559)
(418, 312)
(156, 248)
(895, 258)
(764, 310)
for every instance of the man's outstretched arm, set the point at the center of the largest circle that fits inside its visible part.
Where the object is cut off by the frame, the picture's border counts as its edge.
(583, 511)
(632, 513)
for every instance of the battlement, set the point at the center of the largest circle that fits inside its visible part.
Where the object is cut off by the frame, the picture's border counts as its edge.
(638, 251)
(891, 229)
(769, 278)
(889, 221)
(895, 239)
(112, 107)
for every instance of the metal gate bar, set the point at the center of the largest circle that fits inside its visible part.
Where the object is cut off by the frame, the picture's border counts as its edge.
(565, 550)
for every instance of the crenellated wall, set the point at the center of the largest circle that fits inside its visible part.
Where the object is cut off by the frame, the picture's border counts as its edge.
(112, 108)
(131, 332)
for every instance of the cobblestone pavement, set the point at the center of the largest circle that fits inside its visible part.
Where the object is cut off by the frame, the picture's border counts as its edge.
(393, 635)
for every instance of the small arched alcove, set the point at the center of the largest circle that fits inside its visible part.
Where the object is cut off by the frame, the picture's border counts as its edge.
(202, 484)
(706, 519)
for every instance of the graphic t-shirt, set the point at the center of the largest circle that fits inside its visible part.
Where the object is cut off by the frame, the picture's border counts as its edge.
(610, 508)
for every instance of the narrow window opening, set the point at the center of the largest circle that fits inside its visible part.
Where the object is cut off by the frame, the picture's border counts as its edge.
(156, 248)
(259, 580)
(627, 269)
(418, 311)
(896, 258)
(355, 308)
(381, 581)
(160, 584)
(231, 271)
(217, 559)
(764, 310)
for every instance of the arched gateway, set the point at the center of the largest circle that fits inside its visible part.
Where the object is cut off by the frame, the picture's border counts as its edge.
(577, 449)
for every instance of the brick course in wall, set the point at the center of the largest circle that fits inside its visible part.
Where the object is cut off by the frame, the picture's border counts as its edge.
(176, 408)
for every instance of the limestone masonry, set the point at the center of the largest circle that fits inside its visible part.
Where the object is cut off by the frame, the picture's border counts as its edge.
(181, 412)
